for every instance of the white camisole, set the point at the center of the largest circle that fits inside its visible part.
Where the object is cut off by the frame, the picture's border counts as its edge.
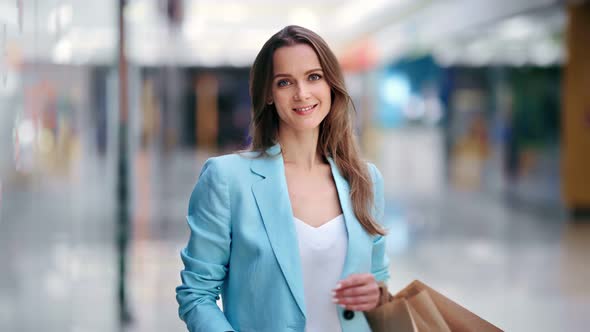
(322, 250)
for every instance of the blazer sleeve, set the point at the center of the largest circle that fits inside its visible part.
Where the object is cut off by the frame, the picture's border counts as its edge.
(379, 259)
(207, 253)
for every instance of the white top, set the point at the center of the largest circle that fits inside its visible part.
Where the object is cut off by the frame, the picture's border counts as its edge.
(322, 250)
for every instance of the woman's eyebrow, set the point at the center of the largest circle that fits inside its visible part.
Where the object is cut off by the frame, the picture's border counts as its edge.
(306, 73)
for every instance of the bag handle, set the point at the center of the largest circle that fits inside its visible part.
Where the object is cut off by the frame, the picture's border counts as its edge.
(384, 295)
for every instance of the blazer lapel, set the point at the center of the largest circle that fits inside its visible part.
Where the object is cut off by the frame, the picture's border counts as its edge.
(272, 197)
(355, 232)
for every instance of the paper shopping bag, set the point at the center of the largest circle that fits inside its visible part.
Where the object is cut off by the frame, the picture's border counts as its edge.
(414, 314)
(419, 308)
(457, 318)
(392, 316)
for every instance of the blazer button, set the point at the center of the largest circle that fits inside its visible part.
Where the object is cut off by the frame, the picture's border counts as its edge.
(348, 314)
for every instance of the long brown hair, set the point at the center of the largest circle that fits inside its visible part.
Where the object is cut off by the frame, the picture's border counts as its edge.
(336, 138)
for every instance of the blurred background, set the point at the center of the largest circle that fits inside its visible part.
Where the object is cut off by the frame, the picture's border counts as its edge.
(476, 112)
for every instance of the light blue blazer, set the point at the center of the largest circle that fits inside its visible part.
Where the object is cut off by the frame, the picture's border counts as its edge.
(243, 247)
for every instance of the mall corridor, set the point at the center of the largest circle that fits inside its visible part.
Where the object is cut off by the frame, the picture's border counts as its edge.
(475, 112)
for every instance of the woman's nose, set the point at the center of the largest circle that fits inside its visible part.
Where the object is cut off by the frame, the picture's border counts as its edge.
(302, 92)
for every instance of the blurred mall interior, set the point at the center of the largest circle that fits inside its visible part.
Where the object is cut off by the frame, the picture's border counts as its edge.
(477, 112)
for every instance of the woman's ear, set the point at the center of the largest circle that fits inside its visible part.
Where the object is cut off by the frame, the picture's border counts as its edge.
(269, 102)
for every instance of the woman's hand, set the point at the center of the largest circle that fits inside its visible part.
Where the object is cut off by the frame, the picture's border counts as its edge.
(358, 292)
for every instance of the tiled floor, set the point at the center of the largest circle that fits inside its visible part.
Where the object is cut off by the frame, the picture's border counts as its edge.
(518, 268)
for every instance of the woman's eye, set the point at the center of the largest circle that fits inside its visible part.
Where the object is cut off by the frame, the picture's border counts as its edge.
(314, 77)
(282, 83)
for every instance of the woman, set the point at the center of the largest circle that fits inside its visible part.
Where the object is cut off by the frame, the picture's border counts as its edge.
(287, 233)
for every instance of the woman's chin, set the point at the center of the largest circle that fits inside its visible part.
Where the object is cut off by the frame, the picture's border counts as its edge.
(304, 127)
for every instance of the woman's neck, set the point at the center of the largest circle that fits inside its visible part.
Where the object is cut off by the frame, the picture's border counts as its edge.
(299, 149)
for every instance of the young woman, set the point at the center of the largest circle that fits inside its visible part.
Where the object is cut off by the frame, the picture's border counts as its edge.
(288, 233)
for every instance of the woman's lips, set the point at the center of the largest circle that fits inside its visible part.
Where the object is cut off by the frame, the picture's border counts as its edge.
(305, 110)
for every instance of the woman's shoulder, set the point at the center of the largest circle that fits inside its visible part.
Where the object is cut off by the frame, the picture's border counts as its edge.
(230, 166)
(230, 162)
(375, 173)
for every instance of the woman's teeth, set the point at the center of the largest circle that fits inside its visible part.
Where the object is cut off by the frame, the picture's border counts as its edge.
(304, 109)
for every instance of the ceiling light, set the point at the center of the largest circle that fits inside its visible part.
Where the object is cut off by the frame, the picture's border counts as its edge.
(517, 28)
(62, 52)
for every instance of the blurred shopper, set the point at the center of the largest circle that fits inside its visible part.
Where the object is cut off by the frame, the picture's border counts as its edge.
(288, 232)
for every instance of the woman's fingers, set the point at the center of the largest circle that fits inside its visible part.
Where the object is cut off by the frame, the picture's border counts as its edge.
(357, 284)
(358, 292)
(355, 280)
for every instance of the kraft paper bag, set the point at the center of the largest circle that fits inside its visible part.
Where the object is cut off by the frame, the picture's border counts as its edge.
(392, 316)
(413, 314)
(419, 308)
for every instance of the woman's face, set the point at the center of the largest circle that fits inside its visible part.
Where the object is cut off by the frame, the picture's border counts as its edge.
(299, 90)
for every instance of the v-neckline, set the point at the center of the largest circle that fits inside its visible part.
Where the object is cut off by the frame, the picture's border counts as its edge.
(340, 216)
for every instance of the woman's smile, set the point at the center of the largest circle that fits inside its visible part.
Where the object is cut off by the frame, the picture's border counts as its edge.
(305, 110)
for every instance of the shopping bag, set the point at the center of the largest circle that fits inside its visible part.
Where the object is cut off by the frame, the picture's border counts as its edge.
(419, 308)
(417, 313)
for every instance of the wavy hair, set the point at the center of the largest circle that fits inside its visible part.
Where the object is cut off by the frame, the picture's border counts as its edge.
(336, 138)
